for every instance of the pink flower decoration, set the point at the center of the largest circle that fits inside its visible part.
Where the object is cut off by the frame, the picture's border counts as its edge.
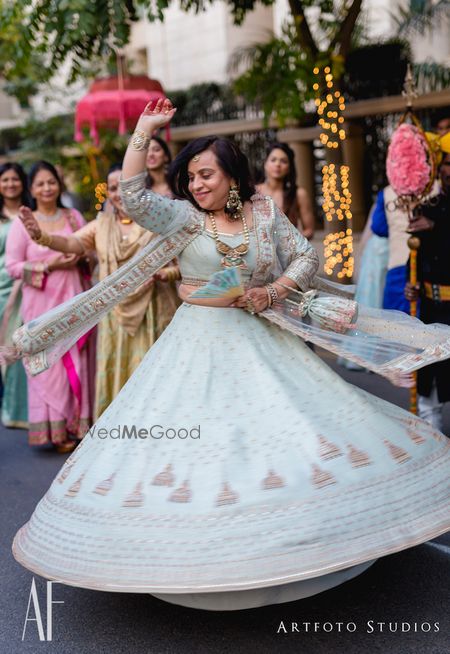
(407, 166)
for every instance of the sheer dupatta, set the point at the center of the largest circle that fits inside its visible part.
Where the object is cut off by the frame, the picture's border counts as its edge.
(390, 343)
(387, 342)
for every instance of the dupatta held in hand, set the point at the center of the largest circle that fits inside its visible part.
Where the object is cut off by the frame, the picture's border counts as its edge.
(387, 342)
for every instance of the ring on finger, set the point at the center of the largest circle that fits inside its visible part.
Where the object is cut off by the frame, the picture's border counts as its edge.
(250, 307)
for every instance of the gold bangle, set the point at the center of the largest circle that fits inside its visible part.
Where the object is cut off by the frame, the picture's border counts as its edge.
(272, 292)
(269, 297)
(44, 239)
(140, 140)
(172, 273)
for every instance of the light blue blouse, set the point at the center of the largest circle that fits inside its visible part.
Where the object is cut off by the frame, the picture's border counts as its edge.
(200, 259)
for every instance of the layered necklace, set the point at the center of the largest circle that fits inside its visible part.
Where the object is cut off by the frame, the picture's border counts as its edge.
(53, 218)
(232, 256)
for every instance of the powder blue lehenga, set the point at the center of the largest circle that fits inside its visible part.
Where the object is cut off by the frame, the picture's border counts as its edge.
(292, 481)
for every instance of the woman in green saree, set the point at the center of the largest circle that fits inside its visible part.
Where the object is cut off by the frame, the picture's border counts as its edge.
(13, 194)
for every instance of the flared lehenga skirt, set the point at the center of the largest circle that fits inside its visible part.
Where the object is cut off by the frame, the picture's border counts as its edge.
(233, 460)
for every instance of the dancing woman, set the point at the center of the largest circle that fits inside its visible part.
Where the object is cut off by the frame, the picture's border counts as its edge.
(124, 335)
(280, 183)
(13, 194)
(257, 475)
(60, 400)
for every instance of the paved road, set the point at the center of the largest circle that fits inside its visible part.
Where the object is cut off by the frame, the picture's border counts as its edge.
(412, 587)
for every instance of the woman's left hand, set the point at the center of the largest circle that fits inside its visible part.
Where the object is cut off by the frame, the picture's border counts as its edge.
(167, 274)
(253, 300)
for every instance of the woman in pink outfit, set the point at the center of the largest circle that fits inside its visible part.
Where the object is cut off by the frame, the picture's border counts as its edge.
(60, 399)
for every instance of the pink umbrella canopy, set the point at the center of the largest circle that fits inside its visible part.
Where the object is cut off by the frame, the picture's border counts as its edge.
(111, 103)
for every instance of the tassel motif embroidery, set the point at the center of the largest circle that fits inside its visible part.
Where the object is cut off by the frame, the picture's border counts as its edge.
(73, 490)
(272, 481)
(65, 473)
(321, 477)
(415, 436)
(358, 458)
(105, 486)
(396, 452)
(226, 496)
(164, 478)
(136, 498)
(327, 449)
(182, 493)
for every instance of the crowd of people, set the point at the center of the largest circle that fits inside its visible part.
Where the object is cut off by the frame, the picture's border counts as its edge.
(38, 274)
(384, 274)
(261, 476)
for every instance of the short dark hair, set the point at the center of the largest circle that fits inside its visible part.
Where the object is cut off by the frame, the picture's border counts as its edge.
(35, 169)
(11, 165)
(230, 158)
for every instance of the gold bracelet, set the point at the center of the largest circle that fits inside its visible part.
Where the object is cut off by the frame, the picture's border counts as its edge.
(272, 291)
(173, 273)
(269, 297)
(140, 140)
(44, 239)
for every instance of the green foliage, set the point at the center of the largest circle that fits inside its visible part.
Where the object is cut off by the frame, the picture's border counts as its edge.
(204, 103)
(431, 76)
(82, 31)
(420, 16)
(79, 31)
(52, 140)
(278, 76)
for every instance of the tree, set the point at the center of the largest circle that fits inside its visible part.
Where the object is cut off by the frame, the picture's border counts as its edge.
(421, 15)
(81, 31)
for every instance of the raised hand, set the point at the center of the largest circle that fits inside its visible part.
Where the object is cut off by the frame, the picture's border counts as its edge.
(156, 115)
(29, 222)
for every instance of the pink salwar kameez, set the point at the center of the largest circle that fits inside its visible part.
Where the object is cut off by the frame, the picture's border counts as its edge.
(59, 399)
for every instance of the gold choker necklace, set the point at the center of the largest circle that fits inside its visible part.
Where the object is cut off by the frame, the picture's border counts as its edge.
(232, 256)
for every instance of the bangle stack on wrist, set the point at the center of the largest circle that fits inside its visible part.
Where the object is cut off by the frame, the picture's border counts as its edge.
(173, 273)
(44, 239)
(140, 140)
(272, 294)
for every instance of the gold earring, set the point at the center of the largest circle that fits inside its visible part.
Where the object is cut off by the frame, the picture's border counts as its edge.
(233, 206)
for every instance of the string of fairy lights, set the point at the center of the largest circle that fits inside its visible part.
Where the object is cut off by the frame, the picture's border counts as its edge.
(337, 199)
